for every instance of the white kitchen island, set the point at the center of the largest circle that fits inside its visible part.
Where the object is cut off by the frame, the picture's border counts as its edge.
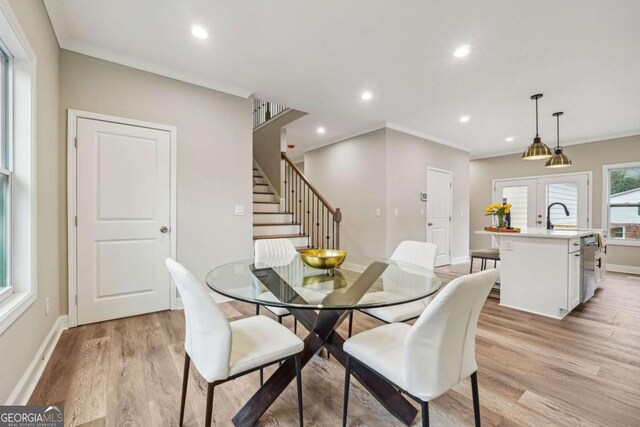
(541, 270)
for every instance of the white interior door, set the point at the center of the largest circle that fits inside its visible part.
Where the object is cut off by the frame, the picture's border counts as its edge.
(123, 204)
(439, 213)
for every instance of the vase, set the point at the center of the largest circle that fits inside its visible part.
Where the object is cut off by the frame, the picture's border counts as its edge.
(502, 223)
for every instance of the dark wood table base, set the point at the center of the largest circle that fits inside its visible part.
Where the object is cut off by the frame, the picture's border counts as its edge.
(322, 326)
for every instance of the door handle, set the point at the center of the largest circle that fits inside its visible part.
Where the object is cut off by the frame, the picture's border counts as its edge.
(164, 229)
(539, 222)
(429, 224)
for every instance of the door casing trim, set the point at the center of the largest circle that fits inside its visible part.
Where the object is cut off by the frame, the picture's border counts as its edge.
(72, 121)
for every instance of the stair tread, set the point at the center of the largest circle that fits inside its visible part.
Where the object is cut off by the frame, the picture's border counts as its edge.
(268, 203)
(260, 224)
(280, 236)
(263, 192)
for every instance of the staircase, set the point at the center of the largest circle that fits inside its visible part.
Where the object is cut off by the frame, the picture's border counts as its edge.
(268, 220)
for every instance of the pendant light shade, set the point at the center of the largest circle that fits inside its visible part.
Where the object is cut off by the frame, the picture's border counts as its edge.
(559, 159)
(538, 149)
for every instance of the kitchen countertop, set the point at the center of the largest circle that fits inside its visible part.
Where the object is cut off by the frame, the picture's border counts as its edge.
(544, 233)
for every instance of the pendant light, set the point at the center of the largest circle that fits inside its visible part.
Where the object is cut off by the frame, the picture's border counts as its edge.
(559, 160)
(537, 150)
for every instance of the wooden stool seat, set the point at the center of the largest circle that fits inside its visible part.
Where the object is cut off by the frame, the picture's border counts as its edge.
(484, 255)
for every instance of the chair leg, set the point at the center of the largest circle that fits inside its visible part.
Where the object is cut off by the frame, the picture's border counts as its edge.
(350, 323)
(471, 266)
(261, 377)
(280, 319)
(209, 413)
(483, 264)
(185, 380)
(257, 309)
(295, 325)
(495, 263)
(299, 386)
(347, 381)
(425, 413)
(476, 398)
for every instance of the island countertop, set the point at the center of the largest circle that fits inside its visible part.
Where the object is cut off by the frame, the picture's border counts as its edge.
(543, 233)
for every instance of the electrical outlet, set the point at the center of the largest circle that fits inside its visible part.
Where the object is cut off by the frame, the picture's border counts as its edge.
(421, 212)
(396, 212)
(239, 210)
(378, 213)
(507, 245)
(46, 306)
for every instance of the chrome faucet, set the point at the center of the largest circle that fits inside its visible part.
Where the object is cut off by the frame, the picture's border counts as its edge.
(566, 211)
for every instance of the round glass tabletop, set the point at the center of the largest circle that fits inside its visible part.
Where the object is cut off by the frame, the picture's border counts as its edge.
(361, 282)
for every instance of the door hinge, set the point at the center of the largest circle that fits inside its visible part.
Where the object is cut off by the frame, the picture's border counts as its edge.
(76, 299)
(449, 218)
(75, 142)
(75, 220)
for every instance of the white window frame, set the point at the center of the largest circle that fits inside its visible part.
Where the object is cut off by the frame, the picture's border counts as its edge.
(22, 112)
(606, 172)
(7, 127)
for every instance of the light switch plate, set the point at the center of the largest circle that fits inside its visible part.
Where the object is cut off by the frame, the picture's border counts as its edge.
(378, 213)
(239, 210)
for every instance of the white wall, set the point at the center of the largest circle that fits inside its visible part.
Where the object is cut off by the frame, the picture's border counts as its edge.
(19, 344)
(214, 149)
(408, 158)
(387, 169)
(351, 176)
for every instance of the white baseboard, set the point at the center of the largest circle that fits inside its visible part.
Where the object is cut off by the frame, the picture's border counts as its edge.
(630, 269)
(22, 392)
(459, 260)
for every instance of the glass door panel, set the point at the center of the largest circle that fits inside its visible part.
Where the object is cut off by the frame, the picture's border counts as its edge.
(570, 191)
(522, 196)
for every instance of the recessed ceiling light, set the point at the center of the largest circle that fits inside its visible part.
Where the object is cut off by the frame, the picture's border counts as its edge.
(321, 130)
(510, 139)
(366, 95)
(465, 119)
(199, 32)
(462, 51)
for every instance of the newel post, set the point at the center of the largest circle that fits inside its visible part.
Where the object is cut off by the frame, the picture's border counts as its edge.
(337, 218)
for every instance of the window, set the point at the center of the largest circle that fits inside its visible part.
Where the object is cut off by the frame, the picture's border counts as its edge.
(5, 174)
(621, 204)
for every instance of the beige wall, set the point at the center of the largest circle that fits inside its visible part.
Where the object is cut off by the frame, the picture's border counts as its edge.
(214, 149)
(408, 158)
(267, 146)
(387, 169)
(585, 157)
(351, 176)
(21, 341)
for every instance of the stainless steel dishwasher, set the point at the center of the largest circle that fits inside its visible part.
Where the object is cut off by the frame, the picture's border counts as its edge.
(588, 247)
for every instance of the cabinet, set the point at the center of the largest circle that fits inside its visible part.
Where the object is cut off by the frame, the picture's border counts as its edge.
(573, 280)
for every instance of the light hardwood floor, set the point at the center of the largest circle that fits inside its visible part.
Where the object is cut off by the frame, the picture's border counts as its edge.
(534, 371)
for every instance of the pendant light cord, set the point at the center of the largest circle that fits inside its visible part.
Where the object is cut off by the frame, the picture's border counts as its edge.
(537, 135)
(558, 131)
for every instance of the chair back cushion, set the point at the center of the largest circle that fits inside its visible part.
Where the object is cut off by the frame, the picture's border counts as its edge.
(419, 253)
(274, 247)
(207, 337)
(440, 347)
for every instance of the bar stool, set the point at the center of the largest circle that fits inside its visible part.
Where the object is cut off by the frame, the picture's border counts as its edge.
(484, 255)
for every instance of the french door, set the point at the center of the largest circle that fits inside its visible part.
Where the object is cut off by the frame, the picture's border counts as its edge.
(531, 198)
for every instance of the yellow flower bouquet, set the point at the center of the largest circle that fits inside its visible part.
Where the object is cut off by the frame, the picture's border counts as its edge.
(500, 211)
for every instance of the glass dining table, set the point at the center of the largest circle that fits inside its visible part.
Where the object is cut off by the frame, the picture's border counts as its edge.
(321, 300)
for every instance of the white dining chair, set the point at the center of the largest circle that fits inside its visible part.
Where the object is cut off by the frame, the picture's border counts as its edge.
(436, 353)
(269, 249)
(223, 350)
(422, 254)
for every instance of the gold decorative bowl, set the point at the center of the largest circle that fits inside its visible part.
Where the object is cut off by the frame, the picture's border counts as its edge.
(325, 259)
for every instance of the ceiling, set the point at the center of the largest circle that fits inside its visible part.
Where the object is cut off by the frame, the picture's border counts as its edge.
(319, 56)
